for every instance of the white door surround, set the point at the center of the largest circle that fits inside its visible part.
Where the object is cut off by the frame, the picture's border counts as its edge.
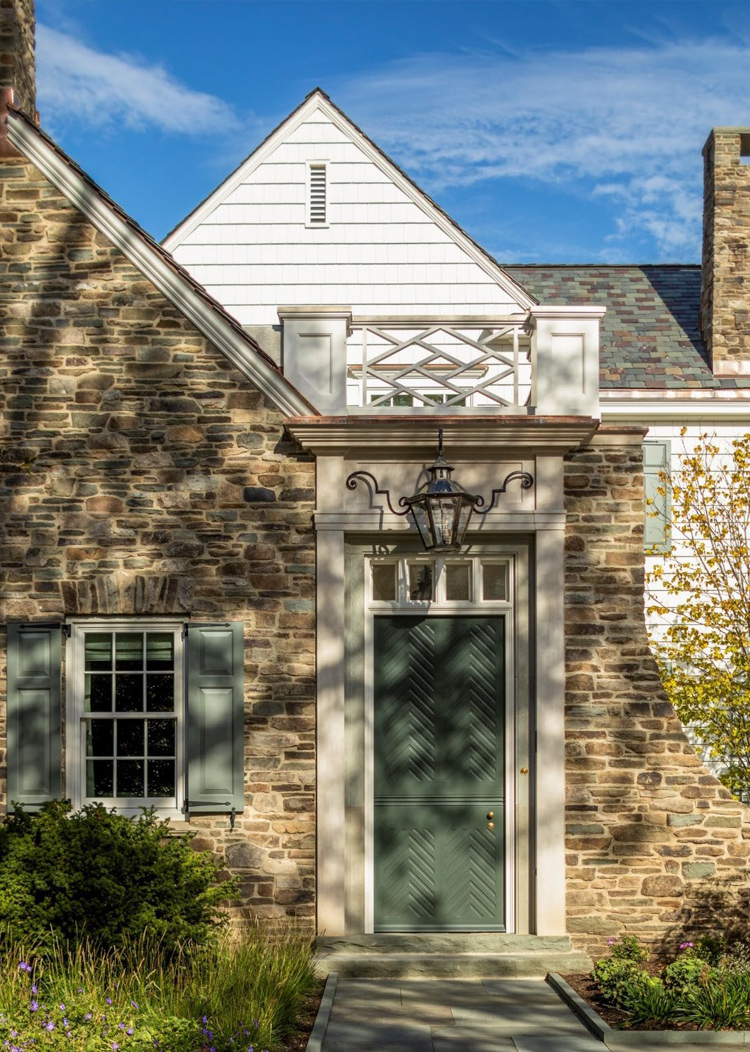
(350, 522)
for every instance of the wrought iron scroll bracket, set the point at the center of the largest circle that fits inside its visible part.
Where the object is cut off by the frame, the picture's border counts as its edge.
(527, 481)
(372, 483)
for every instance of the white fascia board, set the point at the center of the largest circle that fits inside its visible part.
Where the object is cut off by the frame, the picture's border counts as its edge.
(586, 310)
(318, 102)
(155, 269)
(675, 406)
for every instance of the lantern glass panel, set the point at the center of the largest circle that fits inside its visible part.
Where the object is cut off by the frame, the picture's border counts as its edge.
(463, 523)
(445, 511)
(421, 582)
(424, 524)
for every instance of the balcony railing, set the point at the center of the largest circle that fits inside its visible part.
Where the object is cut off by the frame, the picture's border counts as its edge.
(544, 362)
(423, 365)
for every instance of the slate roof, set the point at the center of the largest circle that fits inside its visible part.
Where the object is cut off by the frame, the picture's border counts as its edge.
(649, 335)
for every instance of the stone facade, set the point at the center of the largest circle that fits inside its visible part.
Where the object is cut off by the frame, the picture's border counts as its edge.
(650, 832)
(725, 289)
(17, 64)
(142, 474)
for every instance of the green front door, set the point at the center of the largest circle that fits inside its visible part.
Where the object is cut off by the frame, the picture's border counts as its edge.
(439, 764)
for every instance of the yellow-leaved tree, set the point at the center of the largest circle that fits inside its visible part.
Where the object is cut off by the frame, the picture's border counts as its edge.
(700, 591)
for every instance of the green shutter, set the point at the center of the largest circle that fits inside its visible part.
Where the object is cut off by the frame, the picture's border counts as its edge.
(656, 536)
(215, 705)
(34, 714)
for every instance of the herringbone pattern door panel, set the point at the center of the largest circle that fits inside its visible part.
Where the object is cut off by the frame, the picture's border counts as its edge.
(439, 723)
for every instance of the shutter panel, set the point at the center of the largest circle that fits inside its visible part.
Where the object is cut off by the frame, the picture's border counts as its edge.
(34, 714)
(215, 710)
(656, 457)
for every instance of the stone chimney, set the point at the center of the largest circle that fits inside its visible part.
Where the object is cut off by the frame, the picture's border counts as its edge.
(17, 66)
(725, 287)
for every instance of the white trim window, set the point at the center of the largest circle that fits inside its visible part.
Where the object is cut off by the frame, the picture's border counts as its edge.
(126, 714)
(153, 713)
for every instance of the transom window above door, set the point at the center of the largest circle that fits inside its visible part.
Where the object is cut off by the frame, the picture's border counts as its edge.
(418, 581)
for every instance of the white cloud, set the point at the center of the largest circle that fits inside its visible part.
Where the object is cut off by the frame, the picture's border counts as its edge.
(78, 83)
(627, 123)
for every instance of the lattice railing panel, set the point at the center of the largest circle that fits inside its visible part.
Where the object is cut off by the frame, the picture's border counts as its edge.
(438, 364)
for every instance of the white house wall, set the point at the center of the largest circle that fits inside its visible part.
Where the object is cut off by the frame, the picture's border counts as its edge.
(381, 254)
(681, 445)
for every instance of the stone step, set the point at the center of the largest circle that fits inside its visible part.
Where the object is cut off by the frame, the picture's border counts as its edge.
(448, 955)
(451, 965)
(443, 942)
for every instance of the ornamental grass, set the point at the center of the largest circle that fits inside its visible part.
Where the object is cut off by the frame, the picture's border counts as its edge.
(243, 993)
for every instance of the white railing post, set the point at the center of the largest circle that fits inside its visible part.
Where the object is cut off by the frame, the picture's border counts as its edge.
(314, 354)
(565, 360)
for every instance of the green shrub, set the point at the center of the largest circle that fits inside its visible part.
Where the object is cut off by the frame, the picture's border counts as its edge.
(687, 968)
(108, 878)
(720, 1001)
(620, 976)
(649, 1001)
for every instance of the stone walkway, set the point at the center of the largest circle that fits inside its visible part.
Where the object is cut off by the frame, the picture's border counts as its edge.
(453, 1015)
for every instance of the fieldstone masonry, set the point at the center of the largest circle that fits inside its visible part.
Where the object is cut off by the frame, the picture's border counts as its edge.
(17, 60)
(649, 829)
(725, 290)
(140, 473)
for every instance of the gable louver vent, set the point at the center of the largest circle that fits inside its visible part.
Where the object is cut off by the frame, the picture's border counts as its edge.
(317, 200)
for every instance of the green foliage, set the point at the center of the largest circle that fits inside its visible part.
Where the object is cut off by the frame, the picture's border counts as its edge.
(628, 948)
(649, 1001)
(707, 985)
(701, 591)
(720, 1001)
(687, 969)
(243, 990)
(105, 877)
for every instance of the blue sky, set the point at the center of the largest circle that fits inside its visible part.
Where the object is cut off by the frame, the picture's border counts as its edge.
(551, 131)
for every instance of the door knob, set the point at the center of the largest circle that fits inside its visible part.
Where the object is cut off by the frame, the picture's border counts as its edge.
(524, 770)
(490, 814)
(490, 825)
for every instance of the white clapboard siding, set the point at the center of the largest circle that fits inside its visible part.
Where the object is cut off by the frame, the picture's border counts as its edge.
(380, 251)
(680, 445)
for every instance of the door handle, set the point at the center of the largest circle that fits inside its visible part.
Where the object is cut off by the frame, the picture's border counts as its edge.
(490, 814)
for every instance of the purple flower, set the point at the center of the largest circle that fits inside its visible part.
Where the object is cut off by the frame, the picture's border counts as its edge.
(109, 1000)
(687, 945)
(24, 967)
(49, 1025)
(130, 1031)
(87, 1017)
(115, 1046)
(134, 1005)
(33, 1006)
(34, 989)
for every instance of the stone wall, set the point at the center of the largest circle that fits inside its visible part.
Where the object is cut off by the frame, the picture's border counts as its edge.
(725, 292)
(650, 834)
(17, 66)
(142, 474)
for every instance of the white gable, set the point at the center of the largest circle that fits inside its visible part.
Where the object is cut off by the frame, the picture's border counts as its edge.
(385, 250)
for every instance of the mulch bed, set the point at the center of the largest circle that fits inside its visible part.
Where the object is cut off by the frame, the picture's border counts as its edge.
(297, 1040)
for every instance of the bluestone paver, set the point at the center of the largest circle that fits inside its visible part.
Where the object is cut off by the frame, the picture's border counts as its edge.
(453, 1015)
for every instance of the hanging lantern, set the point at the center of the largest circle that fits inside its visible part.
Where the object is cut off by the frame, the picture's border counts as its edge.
(441, 508)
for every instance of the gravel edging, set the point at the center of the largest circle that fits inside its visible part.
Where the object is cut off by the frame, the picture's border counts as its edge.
(626, 1040)
(318, 1032)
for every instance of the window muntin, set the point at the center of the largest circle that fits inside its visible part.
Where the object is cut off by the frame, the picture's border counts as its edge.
(454, 581)
(126, 701)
